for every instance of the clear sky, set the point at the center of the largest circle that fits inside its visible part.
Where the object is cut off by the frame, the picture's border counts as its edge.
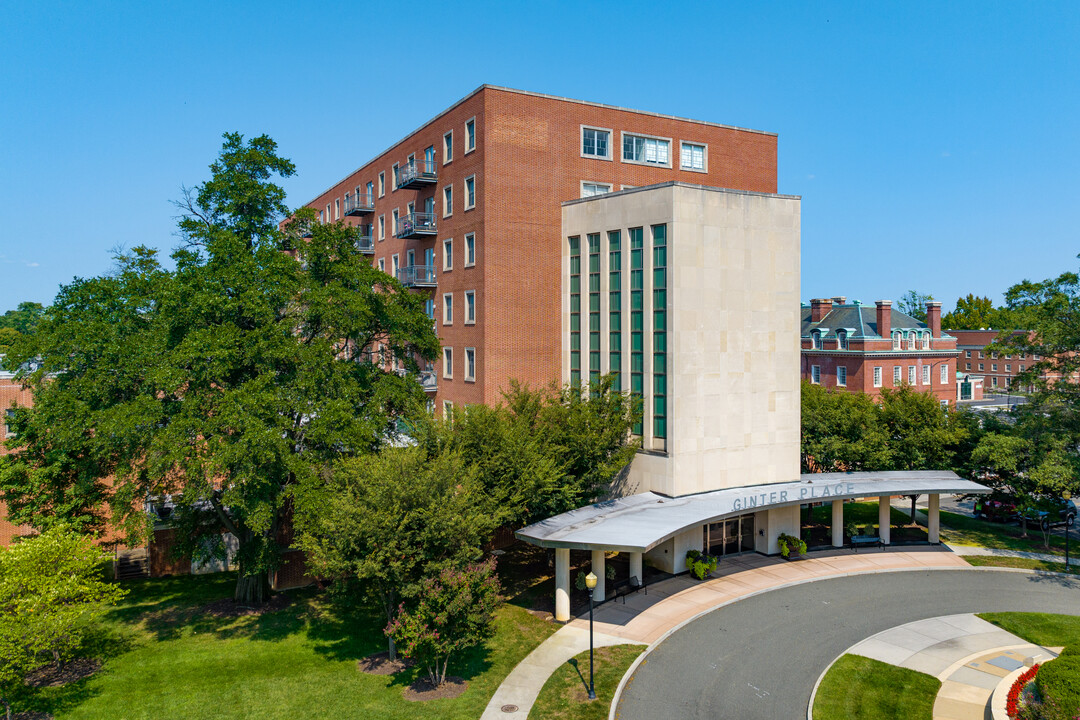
(936, 145)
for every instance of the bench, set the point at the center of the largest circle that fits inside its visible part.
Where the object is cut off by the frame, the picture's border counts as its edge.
(857, 540)
(625, 587)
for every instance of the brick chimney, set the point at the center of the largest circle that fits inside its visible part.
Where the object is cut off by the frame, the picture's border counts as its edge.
(819, 308)
(933, 318)
(840, 300)
(884, 318)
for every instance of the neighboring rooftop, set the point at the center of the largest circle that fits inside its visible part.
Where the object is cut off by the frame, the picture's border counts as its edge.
(859, 320)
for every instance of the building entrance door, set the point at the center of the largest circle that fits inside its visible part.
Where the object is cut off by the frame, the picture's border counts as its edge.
(730, 536)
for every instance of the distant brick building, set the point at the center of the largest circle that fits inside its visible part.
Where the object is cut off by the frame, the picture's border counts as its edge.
(11, 393)
(997, 370)
(864, 349)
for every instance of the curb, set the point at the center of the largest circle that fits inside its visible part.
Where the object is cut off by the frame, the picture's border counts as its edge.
(617, 697)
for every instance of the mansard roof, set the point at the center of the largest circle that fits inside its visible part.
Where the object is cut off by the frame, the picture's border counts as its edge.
(860, 322)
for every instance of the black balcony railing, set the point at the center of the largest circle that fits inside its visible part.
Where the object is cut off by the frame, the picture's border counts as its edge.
(416, 224)
(417, 173)
(359, 203)
(417, 276)
(364, 241)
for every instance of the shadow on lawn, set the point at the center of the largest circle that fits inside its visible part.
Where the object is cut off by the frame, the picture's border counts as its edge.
(54, 700)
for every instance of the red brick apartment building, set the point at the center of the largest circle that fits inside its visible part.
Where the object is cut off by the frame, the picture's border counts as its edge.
(997, 371)
(863, 349)
(10, 393)
(467, 209)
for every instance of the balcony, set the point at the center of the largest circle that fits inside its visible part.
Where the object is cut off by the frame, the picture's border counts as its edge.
(417, 174)
(364, 241)
(416, 225)
(422, 276)
(427, 381)
(359, 204)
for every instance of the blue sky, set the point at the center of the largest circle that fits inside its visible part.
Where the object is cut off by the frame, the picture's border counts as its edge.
(935, 145)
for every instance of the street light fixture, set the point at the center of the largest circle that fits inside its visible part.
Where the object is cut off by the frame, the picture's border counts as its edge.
(1069, 517)
(590, 582)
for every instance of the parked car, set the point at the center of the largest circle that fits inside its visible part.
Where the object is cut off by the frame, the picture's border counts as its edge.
(1052, 512)
(995, 509)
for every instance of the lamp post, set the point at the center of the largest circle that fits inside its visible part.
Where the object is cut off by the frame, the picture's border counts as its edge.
(590, 582)
(1068, 524)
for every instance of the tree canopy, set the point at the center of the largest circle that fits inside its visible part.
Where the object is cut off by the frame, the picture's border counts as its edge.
(914, 304)
(260, 359)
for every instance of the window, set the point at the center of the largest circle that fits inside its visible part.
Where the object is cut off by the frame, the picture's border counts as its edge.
(911, 340)
(926, 341)
(595, 143)
(322, 217)
(429, 159)
(968, 366)
(647, 150)
(1008, 368)
(841, 340)
(815, 374)
(337, 208)
(393, 222)
(9, 419)
(395, 174)
(993, 367)
(470, 307)
(896, 371)
(382, 228)
(382, 184)
(1008, 357)
(593, 240)
(815, 340)
(470, 192)
(841, 376)
(589, 189)
(967, 353)
(448, 147)
(429, 309)
(394, 264)
(448, 254)
(945, 404)
(382, 264)
(637, 318)
(574, 244)
(470, 364)
(911, 375)
(896, 341)
(925, 374)
(448, 362)
(470, 250)
(470, 135)
(993, 381)
(981, 366)
(1021, 368)
(448, 309)
(944, 374)
(877, 377)
(981, 356)
(448, 201)
(659, 338)
(447, 408)
(692, 157)
(370, 193)
(615, 308)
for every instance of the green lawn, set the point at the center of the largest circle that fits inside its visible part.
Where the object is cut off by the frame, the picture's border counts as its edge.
(1015, 562)
(565, 694)
(1045, 629)
(965, 530)
(858, 688)
(164, 659)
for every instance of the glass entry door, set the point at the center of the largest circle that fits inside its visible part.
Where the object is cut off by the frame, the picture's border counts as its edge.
(730, 536)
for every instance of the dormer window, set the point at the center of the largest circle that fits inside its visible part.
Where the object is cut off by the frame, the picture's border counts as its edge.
(896, 341)
(841, 339)
(926, 341)
(815, 339)
(911, 340)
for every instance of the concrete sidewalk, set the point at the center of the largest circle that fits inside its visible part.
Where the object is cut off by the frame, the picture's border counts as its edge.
(967, 654)
(1044, 557)
(648, 615)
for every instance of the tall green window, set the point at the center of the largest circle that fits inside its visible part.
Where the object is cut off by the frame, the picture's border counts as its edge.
(659, 364)
(615, 308)
(637, 320)
(594, 308)
(575, 311)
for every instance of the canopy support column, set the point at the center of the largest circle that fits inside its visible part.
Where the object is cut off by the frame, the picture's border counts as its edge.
(884, 518)
(562, 584)
(600, 593)
(933, 519)
(635, 566)
(838, 523)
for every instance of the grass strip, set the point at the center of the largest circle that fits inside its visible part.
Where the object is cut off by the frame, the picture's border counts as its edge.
(565, 694)
(858, 688)
(1046, 629)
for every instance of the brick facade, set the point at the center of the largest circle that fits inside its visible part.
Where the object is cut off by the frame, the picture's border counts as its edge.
(528, 160)
(858, 339)
(11, 394)
(996, 370)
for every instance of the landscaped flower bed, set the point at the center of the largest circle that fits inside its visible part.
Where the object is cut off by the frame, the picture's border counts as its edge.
(1012, 702)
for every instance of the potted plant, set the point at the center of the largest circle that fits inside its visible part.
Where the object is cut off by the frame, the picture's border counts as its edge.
(791, 546)
(700, 564)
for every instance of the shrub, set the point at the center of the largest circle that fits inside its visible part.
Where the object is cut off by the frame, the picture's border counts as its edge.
(789, 543)
(1058, 683)
(700, 564)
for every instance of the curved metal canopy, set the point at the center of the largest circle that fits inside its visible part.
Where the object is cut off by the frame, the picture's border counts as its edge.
(638, 523)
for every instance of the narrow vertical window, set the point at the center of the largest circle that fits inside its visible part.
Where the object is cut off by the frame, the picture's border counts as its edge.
(945, 373)
(637, 320)
(594, 308)
(575, 311)
(470, 135)
(815, 374)
(615, 308)
(448, 147)
(470, 307)
(659, 238)
(841, 376)
(470, 249)
(470, 192)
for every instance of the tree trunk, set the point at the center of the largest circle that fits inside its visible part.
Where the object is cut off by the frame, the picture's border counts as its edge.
(7, 705)
(388, 608)
(252, 589)
(445, 664)
(1023, 526)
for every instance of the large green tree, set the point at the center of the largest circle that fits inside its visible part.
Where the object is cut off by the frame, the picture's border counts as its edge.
(223, 383)
(18, 322)
(841, 431)
(914, 304)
